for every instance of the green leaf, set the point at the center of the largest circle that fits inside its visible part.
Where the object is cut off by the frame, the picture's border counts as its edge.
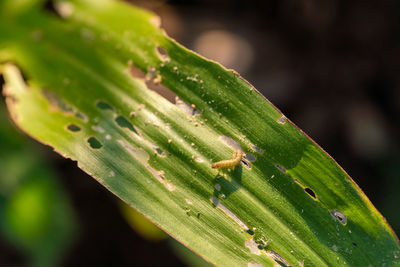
(287, 202)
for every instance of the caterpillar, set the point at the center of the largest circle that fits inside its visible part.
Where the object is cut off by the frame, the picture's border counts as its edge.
(237, 157)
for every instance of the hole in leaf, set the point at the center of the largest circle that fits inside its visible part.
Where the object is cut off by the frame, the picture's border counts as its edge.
(153, 75)
(282, 120)
(151, 81)
(187, 108)
(135, 71)
(310, 192)
(103, 105)
(250, 232)
(94, 143)
(57, 102)
(81, 116)
(354, 244)
(160, 152)
(339, 216)
(162, 54)
(229, 141)
(98, 128)
(249, 157)
(124, 123)
(278, 258)
(281, 168)
(246, 164)
(73, 127)
(257, 149)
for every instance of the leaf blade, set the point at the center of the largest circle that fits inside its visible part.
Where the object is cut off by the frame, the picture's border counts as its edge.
(173, 150)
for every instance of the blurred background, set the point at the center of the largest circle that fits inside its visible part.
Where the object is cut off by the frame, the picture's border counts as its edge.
(332, 67)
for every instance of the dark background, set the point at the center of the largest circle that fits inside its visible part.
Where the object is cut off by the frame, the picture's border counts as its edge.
(332, 67)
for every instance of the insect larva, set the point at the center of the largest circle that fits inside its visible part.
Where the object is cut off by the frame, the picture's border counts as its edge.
(237, 157)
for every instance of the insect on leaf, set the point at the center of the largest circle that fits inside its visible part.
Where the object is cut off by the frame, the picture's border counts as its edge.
(81, 98)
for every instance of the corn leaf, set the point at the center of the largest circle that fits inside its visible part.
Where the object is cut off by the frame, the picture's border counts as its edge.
(286, 203)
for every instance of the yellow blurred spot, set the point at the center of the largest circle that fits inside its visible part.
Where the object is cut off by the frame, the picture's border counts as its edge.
(141, 225)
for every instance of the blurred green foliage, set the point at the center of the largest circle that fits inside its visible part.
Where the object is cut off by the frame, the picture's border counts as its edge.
(35, 215)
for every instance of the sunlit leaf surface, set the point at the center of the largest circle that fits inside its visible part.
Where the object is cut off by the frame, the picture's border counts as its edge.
(287, 202)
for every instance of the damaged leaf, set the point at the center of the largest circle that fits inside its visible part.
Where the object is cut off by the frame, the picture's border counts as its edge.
(275, 206)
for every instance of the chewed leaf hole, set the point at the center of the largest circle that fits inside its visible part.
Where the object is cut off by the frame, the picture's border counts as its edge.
(152, 80)
(103, 105)
(310, 192)
(257, 149)
(94, 143)
(282, 120)
(73, 127)
(160, 152)
(250, 232)
(186, 108)
(124, 123)
(249, 157)
(162, 54)
(339, 216)
(135, 72)
(81, 116)
(57, 102)
(277, 257)
(246, 163)
(281, 168)
(354, 244)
